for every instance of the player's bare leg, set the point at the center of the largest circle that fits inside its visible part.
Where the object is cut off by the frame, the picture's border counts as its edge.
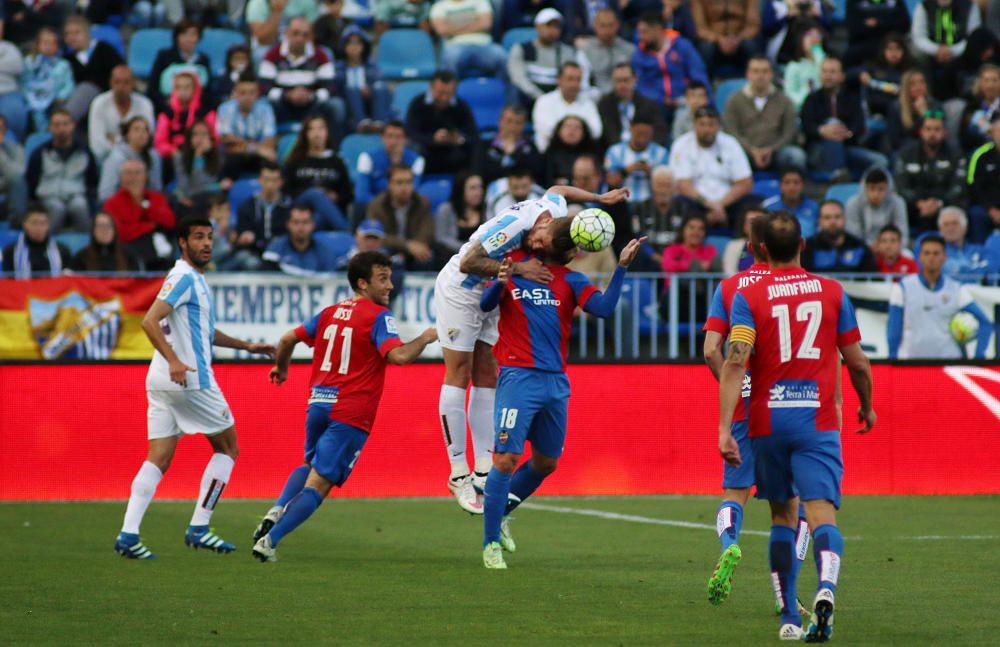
(451, 407)
(481, 400)
(300, 508)
(158, 457)
(213, 482)
(728, 522)
(828, 550)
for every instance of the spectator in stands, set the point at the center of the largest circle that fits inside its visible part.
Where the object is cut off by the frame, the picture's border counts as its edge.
(588, 175)
(136, 144)
(889, 252)
(458, 218)
(764, 120)
(676, 15)
(981, 108)
(142, 14)
(802, 73)
(262, 217)
(984, 185)
(832, 249)
(269, 19)
(142, 217)
(316, 175)
(368, 97)
(784, 21)
(247, 128)
(237, 62)
(929, 174)
(62, 175)
(517, 186)
(867, 22)
(880, 77)
(606, 51)
(618, 107)
(12, 104)
(442, 126)
(695, 97)
(833, 119)
(413, 14)
(690, 254)
(876, 205)
(113, 109)
(509, 148)
(205, 12)
(13, 187)
(224, 253)
(711, 170)
(47, 80)
(105, 252)
(24, 18)
(35, 252)
(735, 256)
(464, 28)
(992, 249)
(197, 167)
(665, 63)
(301, 251)
(566, 99)
(406, 216)
(187, 105)
(727, 31)
(660, 216)
(329, 27)
(534, 67)
(793, 199)
(182, 56)
(572, 139)
(373, 166)
(92, 62)
(906, 114)
(966, 260)
(631, 164)
(940, 33)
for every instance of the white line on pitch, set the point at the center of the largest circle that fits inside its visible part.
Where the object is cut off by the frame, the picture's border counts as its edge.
(950, 537)
(631, 517)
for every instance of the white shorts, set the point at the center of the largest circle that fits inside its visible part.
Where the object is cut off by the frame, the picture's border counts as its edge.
(460, 321)
(200, 411)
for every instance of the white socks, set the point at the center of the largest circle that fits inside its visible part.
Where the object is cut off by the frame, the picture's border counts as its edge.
(143, 488)
(451, 406)
(481, 423)
(216, 475)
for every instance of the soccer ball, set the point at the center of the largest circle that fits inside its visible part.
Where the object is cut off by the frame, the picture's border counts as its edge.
(964, 327)
(592, 230)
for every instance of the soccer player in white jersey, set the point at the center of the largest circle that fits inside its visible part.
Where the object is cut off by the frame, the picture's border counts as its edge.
(467, 334)
(183, 395)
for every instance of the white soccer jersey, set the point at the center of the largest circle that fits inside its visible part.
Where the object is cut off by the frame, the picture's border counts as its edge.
(926, 315)
(189, 328)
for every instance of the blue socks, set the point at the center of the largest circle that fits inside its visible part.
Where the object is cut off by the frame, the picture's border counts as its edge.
(783, 572)
(298, 510)
(523, 484)
(828, 549)
(728, 522)
(296, 481)
(494, 504)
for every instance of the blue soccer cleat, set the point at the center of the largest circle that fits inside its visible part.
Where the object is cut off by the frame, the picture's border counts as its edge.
(203, 537)
(128, 545)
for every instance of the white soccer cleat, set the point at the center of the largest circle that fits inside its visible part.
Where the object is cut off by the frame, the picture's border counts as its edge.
(465, 494)
(507, 539)
(272, 517)
(493, 556)
(821, 623)
(263, 550)
(479, 482)
(790, 632)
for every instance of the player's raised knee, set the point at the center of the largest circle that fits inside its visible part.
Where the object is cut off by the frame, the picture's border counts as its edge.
(544, 465)
(506, 461)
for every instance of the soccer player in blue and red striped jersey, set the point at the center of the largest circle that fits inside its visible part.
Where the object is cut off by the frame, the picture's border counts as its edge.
(789, 327)
(353, 341)
(533, 391)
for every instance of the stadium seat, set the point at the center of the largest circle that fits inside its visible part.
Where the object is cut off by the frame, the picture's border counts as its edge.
(110, 35)
(765, 189)
(215, 43)
(33, 141)
(144, 46)
(437, 189)
(73, 240)
(725, 89)
(406, 54)
(718, 242)
(8, 237)
(840, 11)
(486, 98)
(240, 191)
(341, 241)
(517, 35)
(285, 145)
(352, 147)
(404, 94)
(843, 192)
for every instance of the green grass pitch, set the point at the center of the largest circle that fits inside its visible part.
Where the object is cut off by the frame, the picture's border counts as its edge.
(409, 572)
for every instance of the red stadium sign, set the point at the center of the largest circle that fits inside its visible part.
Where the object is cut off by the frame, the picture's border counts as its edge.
(79, 432)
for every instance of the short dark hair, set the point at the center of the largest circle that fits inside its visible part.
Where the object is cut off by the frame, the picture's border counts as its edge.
(890, 229)
(840, 205)
(361, 266)
(218, 199)
(515, 109)
(654, 18)
(35, 207)
(624, 66)
(188, 223)
(562, 242)
(758, 226)
(185, 24)
(303, 206)
(394, 123)
(444, 76)
(933, 238)
(400, 168)
(782, 233)
(876, 176)
(696, 85)
(61, 111)
(567, 65)
(268, 165)
(759, 57)
(791, 170)
(518, 170)
(247, 76)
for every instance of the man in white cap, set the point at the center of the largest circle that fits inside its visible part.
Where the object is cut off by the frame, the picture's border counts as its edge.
(533, 67)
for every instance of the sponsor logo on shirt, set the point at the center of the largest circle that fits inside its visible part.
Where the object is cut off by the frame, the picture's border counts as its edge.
(390, 326)
(167, 287)
(746, 385)
(502, 437)
(497, 239)
(794, 394)
(323, 395)
(537, 296)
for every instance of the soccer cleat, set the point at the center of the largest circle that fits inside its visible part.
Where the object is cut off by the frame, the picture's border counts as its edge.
(493, 556)
(272, 517)
(821, 624)
(479, 482)
(203, 537)
(263, 550)
(507, 539)
(790, 632)
(465, 494)
(721, 582)
(128, 545)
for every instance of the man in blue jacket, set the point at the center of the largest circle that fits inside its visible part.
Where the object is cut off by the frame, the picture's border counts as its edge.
(664, 63)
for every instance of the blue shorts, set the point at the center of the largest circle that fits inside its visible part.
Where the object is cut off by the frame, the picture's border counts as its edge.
(332, 448)
(740, 477)
(531, 405)
(807, 464)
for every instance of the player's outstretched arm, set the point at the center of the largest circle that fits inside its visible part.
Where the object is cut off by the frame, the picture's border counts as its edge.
(282, 356)
(730, 391)
(408, 352)
(603, 304)
(573, 194)
(225, 341)
(151, 326)
(860, 370)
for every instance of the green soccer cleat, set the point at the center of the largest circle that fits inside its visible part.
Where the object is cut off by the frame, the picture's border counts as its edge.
(493, 556)
(507, 539)
(721, 582)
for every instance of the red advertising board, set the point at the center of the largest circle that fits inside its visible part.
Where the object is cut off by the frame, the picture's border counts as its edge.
(78, 432)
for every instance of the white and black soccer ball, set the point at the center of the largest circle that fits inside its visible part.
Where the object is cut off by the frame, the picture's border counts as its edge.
(592, 230)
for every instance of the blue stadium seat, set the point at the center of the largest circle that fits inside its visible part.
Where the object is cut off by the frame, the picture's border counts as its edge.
(285, 145)
(215, 43)
(839, 11)
(517, 35)
(341, 242)
(73, 240)
(33, 141)
(718, 242)
(725, 89)
(4, 225)
(404, 94)
(437, 189)
(912, 5)
(353, 145)
(8, 237)
(110, 35)
(143, 48)
(486, 98)
(240, 191)
(843, 192)
(406, 54)
(766, 188)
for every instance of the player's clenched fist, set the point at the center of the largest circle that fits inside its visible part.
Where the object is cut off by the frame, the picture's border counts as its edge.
(729, 449)
(278, 376)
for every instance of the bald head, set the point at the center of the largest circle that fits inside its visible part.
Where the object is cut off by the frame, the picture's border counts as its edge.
(122, 83)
